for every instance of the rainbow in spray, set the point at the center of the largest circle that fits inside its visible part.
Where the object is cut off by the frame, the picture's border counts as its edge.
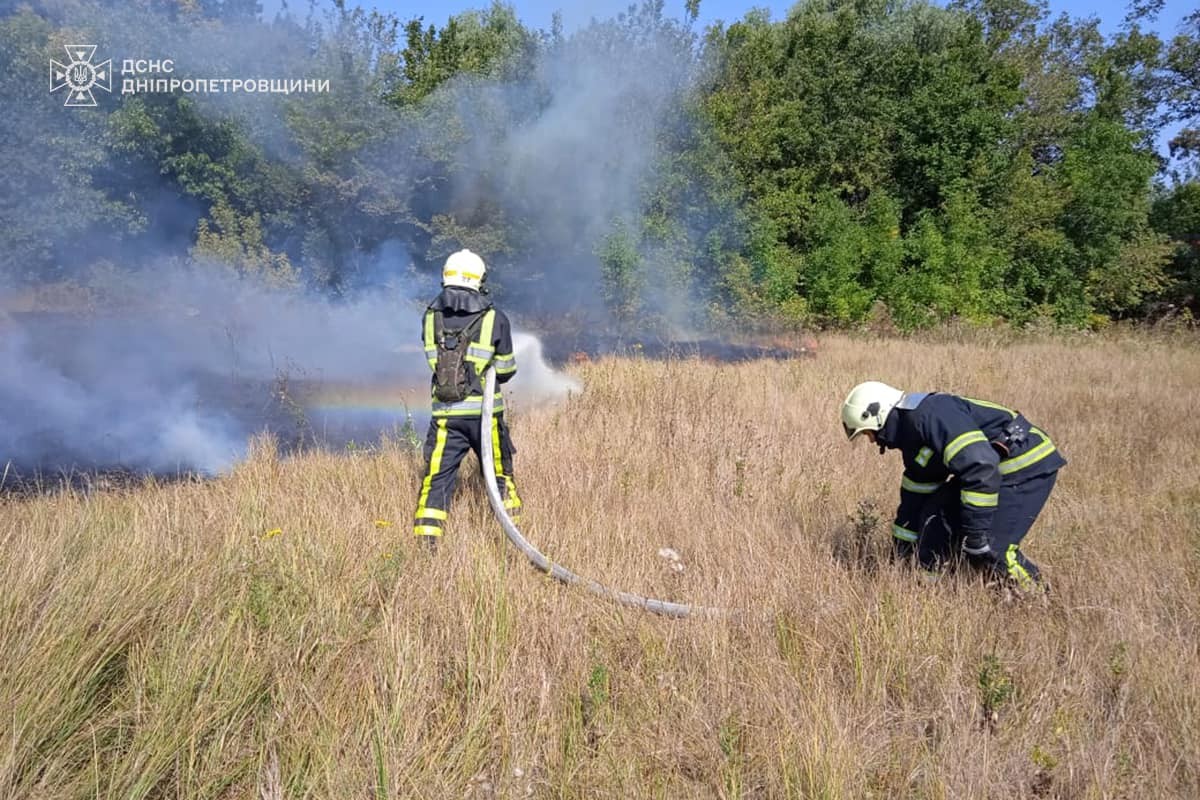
(362, 411)
(370, 398)
(365, 411)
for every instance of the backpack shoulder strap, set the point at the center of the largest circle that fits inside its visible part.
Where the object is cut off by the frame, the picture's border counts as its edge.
(480, 351)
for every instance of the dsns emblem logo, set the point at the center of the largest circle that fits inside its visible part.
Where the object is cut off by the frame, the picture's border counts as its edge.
(80, 75)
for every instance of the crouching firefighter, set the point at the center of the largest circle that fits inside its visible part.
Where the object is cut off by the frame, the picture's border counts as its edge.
(976, 476)
(463, 334)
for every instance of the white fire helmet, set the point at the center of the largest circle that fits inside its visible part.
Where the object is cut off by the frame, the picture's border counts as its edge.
(867, 407)
(465, 269)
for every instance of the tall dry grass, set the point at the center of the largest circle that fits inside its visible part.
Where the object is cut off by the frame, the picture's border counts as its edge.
(167, 642)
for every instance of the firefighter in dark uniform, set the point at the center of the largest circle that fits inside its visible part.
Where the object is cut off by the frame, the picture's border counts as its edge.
(976, 476)
(463, 333)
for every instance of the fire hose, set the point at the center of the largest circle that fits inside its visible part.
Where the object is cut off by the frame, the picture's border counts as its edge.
(557, 571)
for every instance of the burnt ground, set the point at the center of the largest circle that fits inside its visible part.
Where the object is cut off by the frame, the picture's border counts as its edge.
(26, 483)
(560, 349)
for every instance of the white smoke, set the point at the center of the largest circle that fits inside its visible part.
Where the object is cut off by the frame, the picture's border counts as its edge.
(180, 374)
(182, 382)
(536, 382)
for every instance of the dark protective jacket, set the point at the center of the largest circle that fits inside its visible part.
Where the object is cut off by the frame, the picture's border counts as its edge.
(492, 345)
(982, 444)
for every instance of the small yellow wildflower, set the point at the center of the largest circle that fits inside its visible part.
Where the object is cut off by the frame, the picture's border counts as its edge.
(271, 534)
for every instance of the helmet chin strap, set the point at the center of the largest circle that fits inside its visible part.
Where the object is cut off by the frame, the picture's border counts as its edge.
(882, 420)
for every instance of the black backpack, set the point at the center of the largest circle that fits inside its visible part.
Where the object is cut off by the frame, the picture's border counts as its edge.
(452, 377)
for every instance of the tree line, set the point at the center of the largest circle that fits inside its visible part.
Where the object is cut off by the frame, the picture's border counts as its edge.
(983, 161)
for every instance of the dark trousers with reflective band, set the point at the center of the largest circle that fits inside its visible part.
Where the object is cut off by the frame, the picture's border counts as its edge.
(941, 536)
(448, 441)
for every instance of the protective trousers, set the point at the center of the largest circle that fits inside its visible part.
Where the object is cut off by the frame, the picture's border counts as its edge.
(446, 444)
(1017, 508)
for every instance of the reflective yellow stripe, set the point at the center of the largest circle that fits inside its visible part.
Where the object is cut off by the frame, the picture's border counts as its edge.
(910, 485)
(430, 341)
(1010, 465)
(900, 532)
(426, 530)
(995, 406)
(979, 499)
(463, 413)
(961, 441)
(923, 456)
(505, 364)
(431, 513)
(511, 500)
(470, 407)
(435, 466)
(1015, 570)
(485, 332)
(497, 464)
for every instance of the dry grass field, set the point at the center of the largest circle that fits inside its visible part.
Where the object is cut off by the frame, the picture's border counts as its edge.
(276, 633)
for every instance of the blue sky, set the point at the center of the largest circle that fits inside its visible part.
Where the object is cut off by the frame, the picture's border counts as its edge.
(538, 12)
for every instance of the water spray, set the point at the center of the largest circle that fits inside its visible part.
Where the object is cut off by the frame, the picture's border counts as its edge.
(557, 571)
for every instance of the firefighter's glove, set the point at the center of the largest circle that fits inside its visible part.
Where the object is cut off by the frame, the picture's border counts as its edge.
(979, 550)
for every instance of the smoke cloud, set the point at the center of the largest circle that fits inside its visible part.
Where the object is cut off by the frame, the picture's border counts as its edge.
(184, 374)
(175, 362)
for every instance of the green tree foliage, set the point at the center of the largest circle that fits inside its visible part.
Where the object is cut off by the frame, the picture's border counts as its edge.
(1176, 215)
(900, 115)
(491, 43)
(979, 161)
(620, 268)
(1118, 257)
(54, 164)
(1015, 153)
(237, 242)
(1183, 93)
